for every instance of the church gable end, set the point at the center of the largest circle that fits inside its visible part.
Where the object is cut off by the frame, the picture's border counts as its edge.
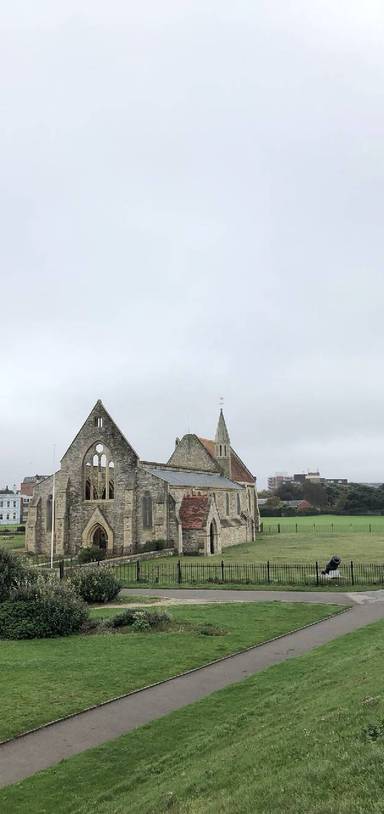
(190, 452)
(98, 427)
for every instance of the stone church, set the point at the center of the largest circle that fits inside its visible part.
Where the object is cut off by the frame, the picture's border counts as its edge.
(203, 499)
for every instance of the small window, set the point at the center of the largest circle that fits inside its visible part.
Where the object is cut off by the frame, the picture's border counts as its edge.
(8, 504)
(221, 451)
(1, 503)
(14, 504)
(1, 516)
(7, 516)
(227, 503)
(14, 515)
(98, 421)
(238, 504)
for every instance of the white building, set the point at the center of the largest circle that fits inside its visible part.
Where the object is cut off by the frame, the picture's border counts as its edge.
(10, 507)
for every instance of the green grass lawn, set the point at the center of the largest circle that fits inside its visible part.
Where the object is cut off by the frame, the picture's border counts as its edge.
(326, 523)
(41, 680)
(309, 547)
(291, 739)
(297, 548)
(14, 542)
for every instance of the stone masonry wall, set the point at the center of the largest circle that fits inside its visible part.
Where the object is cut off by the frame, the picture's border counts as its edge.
(191, 453)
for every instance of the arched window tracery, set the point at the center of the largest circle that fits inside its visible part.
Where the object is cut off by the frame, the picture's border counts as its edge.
(99, 474)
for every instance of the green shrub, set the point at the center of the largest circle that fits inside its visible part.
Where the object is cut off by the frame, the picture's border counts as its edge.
(95, 584)
(208, 629)
(12, 571)
(155, 545)
(123, 619)
(141, 619)
(20, 530)
(141, 623)
(57, 611)
(93, 554)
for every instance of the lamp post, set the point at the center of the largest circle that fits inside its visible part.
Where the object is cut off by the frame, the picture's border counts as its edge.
(53, 507)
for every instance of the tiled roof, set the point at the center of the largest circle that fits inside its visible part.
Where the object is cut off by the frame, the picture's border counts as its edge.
(194, 512)
(239, 471)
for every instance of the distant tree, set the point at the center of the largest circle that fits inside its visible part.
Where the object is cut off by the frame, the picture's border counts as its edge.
(273, 502)
(316, 494)
(290, 491)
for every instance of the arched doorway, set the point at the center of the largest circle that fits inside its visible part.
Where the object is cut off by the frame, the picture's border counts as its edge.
(213, 537)
(100, 538)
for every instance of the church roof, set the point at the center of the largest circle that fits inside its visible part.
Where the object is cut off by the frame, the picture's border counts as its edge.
(185, 477)
(239, 471)
(194, 512)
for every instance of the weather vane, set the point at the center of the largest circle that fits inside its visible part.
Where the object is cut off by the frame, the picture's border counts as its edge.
(221, 402)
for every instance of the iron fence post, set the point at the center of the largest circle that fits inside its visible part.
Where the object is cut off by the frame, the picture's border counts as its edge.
(352, 574)
(317, 573)
(61, 569)
(268, 574)
(222, 570)
(278, 528)
(138, 571)
(179, 578)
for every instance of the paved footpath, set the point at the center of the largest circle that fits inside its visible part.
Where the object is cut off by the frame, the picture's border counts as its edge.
(192, 596)
(38, 750)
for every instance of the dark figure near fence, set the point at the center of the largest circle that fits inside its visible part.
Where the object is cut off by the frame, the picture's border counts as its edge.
(332, 566)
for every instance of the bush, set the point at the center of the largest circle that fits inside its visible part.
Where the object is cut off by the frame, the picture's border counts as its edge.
(208, 629)
(92, 554)
(95, 584)
(20, 530)
(155, 545)
(12, 572)
(140, 619)
(56, 611)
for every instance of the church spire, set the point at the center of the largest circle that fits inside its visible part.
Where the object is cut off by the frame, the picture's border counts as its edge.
(223, 445)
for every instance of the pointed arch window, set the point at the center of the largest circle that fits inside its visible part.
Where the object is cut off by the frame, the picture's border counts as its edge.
(227, 503)
(238, 504)
(99, 474)
(147, 511)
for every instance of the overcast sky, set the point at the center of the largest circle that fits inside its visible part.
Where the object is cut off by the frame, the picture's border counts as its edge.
(191, 204)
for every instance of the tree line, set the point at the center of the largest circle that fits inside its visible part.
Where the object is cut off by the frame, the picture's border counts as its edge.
(352, 498)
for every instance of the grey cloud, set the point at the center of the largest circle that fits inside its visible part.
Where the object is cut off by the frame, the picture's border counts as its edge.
(191, 206)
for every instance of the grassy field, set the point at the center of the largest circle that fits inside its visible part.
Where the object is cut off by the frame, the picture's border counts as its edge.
(326, 523)
(307, 546)
(14, 542)
(41, 680)
(303, 737)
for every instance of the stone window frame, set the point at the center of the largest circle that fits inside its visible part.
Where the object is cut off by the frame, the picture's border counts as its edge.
(99, 474)
(238, 503)
(227, 504)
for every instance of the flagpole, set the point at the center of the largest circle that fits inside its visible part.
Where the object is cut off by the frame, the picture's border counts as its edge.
(53, 506)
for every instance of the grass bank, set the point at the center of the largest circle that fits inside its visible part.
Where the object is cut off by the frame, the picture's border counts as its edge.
(303, 737)
(41, 680)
